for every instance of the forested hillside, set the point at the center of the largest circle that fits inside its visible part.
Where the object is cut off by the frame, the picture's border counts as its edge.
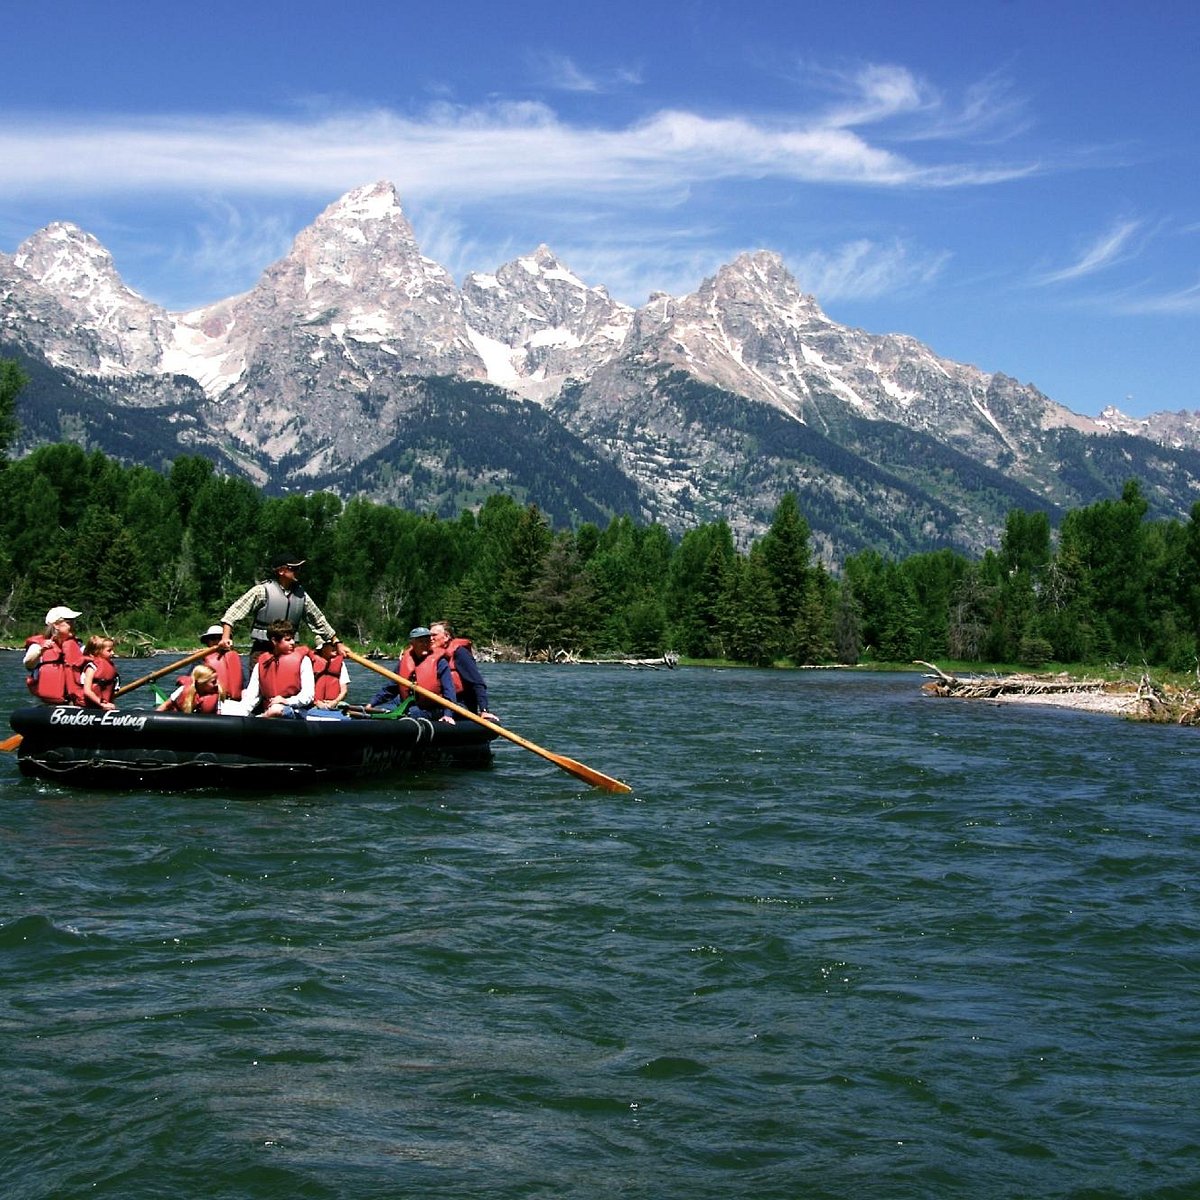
(162, 553)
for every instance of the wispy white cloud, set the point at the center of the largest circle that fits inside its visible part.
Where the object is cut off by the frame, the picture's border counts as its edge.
(1106, 250)
(864, 270)
(562, 73)
(501, 149)
(1180, 302)
(913, 109)
(225, 239)
(878, 92)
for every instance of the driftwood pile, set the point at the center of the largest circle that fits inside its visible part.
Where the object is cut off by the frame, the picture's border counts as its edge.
(499, 652)
(1145, 700)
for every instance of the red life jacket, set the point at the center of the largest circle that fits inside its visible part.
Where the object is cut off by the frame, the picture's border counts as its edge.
(423, 673)
(327, 675)
(449, 649)
(204, 703)
(279, 675)
(228, 667)
(105, 679)
(55, 679)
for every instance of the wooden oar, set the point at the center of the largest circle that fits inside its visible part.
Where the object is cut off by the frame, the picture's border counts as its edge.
(183, 662)
(595, 778)
(13, 742)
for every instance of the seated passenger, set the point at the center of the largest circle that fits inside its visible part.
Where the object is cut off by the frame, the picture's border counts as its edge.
(281, 683)
(201, 694)
(54, 660)
(99, 678)
(226, 663)
(464, 670)
(331, 679)
(421, 664)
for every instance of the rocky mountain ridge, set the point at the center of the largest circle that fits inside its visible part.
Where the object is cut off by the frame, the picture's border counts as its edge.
(337, 366)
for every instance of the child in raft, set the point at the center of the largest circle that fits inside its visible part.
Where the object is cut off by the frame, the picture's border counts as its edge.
(99, 678)
(201, 694)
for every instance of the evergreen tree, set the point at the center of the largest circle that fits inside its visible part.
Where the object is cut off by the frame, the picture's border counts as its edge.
(898, 628)
(847, 625)
(560, 610)
(518, 617)
(12, 380)
(691, 573)
(786, 554)
(813, 629)
(749, 617)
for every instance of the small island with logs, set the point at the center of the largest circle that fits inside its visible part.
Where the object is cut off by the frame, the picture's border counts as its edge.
(1138, 700)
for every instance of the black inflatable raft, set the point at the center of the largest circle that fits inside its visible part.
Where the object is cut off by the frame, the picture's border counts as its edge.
(145, 748)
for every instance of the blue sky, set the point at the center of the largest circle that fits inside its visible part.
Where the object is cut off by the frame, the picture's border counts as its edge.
(1014, 182)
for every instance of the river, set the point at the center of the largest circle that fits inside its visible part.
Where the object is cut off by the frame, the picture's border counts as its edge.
(841, 939)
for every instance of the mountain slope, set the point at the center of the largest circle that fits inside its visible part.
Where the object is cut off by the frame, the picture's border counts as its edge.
(356, 364)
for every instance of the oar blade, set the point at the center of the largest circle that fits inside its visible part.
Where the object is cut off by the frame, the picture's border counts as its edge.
(11, 743)
(588, 775)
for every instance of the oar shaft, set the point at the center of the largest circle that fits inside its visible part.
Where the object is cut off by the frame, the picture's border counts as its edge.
(596, 778)
(175, 666)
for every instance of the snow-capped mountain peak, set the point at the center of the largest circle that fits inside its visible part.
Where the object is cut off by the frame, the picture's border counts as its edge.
(79, 272)
(536, 323)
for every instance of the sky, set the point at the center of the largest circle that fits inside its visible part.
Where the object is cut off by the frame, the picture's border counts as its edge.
(1016, 183)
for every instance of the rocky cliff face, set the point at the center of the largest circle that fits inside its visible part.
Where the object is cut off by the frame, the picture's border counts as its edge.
(712, 404)
(536, 324)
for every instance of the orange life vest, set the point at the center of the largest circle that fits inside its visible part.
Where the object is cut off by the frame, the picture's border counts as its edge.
(55, 679)
(279, 675)
(448, 650)
(105, 679)
(205, 703)
(228, 667)
(423, 673)
(327, 675)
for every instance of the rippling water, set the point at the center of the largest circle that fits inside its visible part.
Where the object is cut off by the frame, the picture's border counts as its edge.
(841, 940)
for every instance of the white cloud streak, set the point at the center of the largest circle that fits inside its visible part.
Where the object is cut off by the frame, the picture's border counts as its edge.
(865, 270)
(1104, 252)
(1181, 302)
(562, 73)
(504, 149)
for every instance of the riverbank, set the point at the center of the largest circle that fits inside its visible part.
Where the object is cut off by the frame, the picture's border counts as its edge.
(1143, 699)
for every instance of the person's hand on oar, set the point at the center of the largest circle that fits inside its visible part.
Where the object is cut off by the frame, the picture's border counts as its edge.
(587, 774)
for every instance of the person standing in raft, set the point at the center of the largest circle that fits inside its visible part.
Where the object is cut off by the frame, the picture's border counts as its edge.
(281, 683)
(471, 691)
(331, 679)
(201, 693)
(227, 663)
(98, 678)
(278, 599)
(421, 664)
(54, 659)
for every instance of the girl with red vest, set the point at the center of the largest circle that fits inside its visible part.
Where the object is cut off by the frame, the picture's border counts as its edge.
(331, 679)
(54, 660)
(201, 693)
(98, 678)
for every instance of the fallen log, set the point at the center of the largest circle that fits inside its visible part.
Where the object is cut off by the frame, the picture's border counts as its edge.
(1144, 700)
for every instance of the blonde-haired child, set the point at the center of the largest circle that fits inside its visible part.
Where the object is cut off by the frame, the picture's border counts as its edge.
(201, 694)
(98, 677)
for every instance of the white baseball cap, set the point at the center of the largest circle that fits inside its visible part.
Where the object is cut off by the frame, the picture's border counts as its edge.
(61, 613)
